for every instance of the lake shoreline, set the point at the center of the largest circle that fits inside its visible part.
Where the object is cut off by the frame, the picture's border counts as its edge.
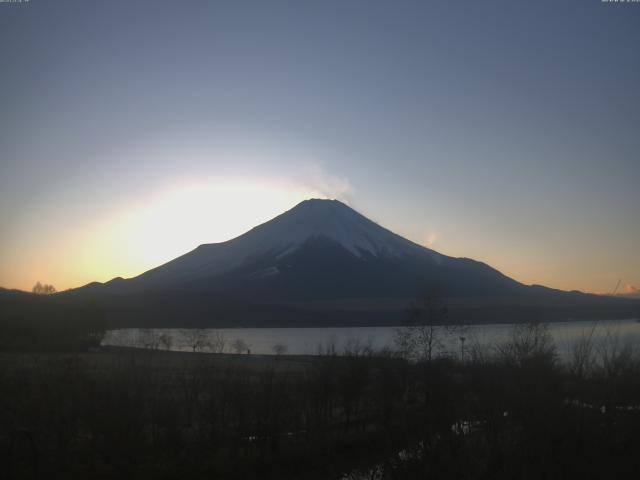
(313, 341)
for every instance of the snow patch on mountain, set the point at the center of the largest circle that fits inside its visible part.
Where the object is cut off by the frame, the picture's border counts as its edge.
(265, 272)
(333, 220)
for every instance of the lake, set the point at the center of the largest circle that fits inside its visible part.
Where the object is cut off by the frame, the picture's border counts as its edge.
(311, 341)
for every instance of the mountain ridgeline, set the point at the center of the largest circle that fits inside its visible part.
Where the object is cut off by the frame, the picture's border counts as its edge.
(323, 263)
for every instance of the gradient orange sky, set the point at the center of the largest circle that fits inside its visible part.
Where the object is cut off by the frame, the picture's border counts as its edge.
(129, 238)
(131, 132)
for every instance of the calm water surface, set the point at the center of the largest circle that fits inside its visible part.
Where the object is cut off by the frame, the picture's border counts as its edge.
(311, 341)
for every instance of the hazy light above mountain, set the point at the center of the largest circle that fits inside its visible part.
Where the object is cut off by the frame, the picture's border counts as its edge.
(168, 224)
(163, 226)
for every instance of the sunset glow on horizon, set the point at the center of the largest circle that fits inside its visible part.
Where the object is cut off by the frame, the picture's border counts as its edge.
(142, 235)
(174, 220)
(123, 147)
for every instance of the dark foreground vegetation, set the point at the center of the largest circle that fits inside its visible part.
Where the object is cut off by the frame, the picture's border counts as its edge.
(42, 322)
(512, 412)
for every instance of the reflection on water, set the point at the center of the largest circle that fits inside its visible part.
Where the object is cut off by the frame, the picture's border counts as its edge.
(311, 341)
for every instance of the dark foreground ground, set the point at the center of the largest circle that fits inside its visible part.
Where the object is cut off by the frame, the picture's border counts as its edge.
(512, 413)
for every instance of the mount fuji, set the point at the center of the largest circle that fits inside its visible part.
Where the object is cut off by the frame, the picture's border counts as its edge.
(320, 263)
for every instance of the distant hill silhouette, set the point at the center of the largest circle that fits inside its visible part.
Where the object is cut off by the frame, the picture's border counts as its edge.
(31, 322)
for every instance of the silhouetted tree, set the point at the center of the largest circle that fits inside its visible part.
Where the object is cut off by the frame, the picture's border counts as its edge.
(279, 349)
(239, 345)
(148, 338)
(166, 340)
(195, 338)
(218, 342)
(422, 337)
(45, 289)
(529, 342)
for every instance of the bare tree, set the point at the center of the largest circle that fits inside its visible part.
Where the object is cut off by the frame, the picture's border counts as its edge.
(166, 340)
(529, 342)
(614, 355)
(428, 321)
(239, 345)
(356, 347)
(279, 349)
(148, 338)
(218, 342)
(583, 354)
(43, 289)
(329, 348)
(195, 338)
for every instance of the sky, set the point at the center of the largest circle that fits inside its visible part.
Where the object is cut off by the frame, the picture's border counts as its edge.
(133, 131)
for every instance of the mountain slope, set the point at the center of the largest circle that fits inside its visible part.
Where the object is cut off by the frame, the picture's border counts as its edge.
(319, 249)
(314, 258)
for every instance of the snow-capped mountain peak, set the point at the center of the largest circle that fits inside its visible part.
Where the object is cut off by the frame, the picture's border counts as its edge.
(309, 220)
(335, 221)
